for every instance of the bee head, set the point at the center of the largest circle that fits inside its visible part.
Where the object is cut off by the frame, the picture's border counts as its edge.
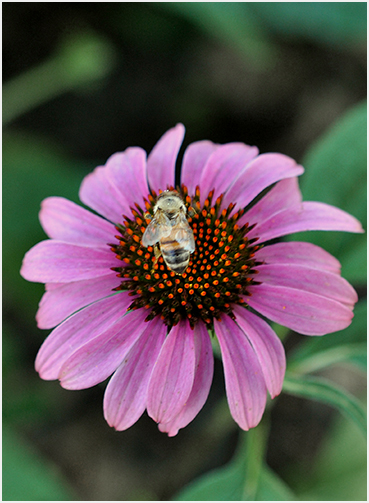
(170, 202)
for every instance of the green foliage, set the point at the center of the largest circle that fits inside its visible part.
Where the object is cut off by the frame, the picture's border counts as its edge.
(273, 488)
(27, 476)
(83, 58)
(339, 472)
(322, 390)
(232, 23)
(32, 170)
(245, 478)
(323, 22)
(336, 172)
(247, 26)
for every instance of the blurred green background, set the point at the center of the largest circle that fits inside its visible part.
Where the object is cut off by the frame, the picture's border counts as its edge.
(84, 80)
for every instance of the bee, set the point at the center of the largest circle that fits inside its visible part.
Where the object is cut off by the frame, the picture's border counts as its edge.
(170, 228)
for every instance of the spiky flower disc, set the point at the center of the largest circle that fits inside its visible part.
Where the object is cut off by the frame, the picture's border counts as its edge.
(218, 275)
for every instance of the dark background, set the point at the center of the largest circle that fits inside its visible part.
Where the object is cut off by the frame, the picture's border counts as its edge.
(272, 75)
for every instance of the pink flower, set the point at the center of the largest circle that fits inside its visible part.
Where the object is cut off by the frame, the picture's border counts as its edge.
(119, 310)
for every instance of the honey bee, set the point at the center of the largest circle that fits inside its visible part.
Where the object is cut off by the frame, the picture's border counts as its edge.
(170, 228)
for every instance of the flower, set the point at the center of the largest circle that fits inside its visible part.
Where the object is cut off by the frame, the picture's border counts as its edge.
(119, 309)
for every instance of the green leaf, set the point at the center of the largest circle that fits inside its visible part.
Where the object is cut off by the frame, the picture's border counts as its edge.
(272, 488)
(326, 22)
(232, 23)
(323, 359)
(317, 388)
(339, 158)
(336, 174)
(244, 478)
(226, 484)
(223, 484)
(27, 476)
(339, 472)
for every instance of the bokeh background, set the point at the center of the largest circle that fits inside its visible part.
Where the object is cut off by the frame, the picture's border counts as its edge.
(85, 80)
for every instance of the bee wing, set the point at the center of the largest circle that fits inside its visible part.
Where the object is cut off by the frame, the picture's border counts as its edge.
(158, 227)
(182, 233)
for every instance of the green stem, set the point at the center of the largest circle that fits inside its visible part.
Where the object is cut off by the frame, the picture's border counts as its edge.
(253, 447)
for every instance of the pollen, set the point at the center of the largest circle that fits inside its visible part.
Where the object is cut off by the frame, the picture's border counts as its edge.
(218, 273)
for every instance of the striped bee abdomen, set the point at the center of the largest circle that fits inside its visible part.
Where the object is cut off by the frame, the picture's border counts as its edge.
(175, 255)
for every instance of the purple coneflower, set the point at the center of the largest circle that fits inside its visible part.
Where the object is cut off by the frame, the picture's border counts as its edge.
(118, 309)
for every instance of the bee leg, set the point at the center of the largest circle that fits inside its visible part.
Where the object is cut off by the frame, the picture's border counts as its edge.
(191, 212)
(157, 254)
(157, 251)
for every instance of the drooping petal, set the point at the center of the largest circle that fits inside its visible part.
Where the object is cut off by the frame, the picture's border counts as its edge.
(306, 216)
(162, 159)
(63, 299)
(80, 328)
(324, 283)
(223, 166)
(267, 346)
(66, 221)
(194, 160)
(99, 357)
(307, 313)
(201, 386)
(99, 194)
(262, 172)
(126, 394)
(283, 195)
(54, 261)
(126, 172)
(173, 375)
(244, 379)
(298, 253)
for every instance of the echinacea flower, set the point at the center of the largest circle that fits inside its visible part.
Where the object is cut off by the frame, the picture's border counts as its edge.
(118, 309)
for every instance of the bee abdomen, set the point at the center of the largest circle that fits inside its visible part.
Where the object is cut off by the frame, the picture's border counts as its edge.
(176, 260)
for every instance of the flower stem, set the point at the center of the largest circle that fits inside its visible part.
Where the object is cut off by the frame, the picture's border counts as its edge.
(252, 448)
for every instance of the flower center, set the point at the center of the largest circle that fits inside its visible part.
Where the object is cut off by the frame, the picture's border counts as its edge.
(218, 274)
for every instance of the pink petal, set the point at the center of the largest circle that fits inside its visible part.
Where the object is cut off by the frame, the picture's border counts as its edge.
(127, 173)
(304, 312)
(99, 357)
(66, 221)
(303, 278)
(126, 394)
(299, 253)
(284, 194)
(307, 216)
(223, 166)
(54, 261)
(101, 195)
(162, 159)
(74, 332)
(194, 160)
(245, 384)
(173, 375)
(267, 346)
(66, 298)
(262, 172)
(201, 385)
